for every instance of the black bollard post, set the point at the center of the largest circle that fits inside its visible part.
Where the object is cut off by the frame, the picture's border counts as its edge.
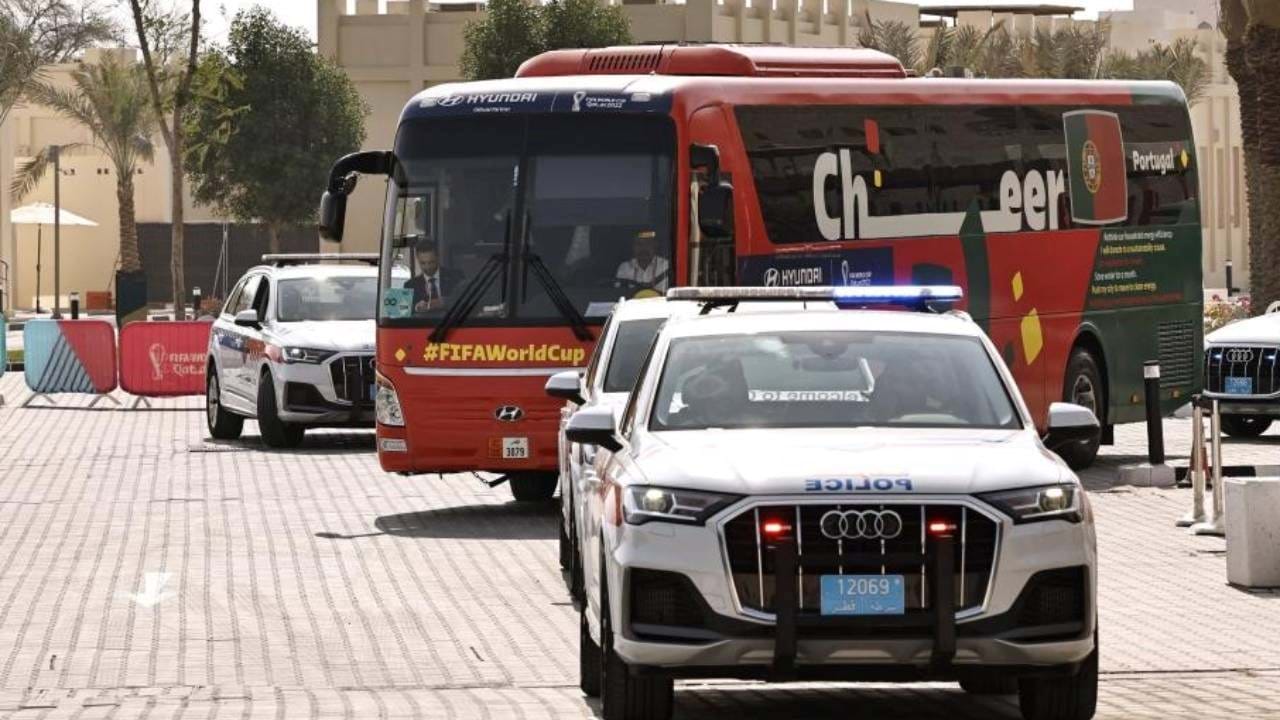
(1155, 428)
(195, 303)
(75, 306)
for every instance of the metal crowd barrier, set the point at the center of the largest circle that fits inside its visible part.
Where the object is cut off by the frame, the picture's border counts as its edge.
(69, 356)
(1197, 520)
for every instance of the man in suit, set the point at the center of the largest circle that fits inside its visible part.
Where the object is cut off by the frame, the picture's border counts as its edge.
(429, 288)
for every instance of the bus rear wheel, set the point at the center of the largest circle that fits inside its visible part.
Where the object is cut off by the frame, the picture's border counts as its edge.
(1083, 386)
(532, 487)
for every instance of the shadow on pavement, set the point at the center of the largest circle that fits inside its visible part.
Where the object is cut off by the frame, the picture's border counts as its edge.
(509, 521)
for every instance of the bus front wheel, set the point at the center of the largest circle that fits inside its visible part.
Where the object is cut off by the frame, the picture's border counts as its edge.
(1083, 386)
(532, 487)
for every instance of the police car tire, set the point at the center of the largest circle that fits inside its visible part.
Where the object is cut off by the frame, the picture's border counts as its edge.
(1072, 697)
(566, 557)
(1082, 365)
(1245, 426)
(532, 487)
(222, 423)
(588, 658)
(623, 695)
(275, 432)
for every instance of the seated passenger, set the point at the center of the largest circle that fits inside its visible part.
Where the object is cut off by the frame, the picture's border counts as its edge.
(646, 270)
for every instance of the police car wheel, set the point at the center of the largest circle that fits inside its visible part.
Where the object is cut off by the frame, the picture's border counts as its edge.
(275, 432)
(576, 584)
(532, 487)
(1071, 697)
(624, 696)
(222, 424)
(566, 553)
(588, 658)
(1245, 426)
(1083, 386)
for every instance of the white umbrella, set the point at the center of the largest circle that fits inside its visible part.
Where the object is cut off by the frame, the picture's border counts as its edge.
(42, 214)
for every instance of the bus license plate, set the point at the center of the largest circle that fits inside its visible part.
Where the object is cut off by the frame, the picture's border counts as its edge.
(863, 595)
(515, 448)
(1239, 386)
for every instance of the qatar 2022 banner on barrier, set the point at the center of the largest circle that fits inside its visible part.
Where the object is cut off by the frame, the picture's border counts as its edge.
(70, 356)
(163, 359)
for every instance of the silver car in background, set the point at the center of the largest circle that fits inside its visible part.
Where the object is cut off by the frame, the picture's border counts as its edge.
(293, 347)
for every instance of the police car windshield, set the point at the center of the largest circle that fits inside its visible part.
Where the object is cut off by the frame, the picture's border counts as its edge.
(327, 298)
(830, 379)
(629, 349)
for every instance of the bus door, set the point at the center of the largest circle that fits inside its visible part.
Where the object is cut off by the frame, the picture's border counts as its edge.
(712, 260)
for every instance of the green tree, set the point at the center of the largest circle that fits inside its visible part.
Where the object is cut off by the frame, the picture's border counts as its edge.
(513, 31)
(268, 119)
(892, 37)
(1179, 62)
(35, 33)
(110, 100)
(1260, 38)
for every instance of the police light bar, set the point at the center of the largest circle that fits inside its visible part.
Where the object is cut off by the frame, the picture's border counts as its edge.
(282, 259)
(843, 296)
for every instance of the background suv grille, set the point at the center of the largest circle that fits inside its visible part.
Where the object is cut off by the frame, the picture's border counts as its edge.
(1256, 363)
(752, 566)
(352, 377)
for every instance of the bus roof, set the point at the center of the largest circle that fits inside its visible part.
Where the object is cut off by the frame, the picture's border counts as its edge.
(613, 80)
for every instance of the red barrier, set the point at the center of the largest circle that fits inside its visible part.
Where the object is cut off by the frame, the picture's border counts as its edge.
(163, 359)
(69, 356)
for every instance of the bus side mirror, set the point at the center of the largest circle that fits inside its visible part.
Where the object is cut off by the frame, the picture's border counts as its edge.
(333, 215)
(715, 210)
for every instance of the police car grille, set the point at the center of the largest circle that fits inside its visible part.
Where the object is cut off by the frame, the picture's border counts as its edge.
(752, 564)
(1259, 364)
(352, 377)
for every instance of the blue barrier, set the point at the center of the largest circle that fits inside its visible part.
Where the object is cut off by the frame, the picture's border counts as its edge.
(69, 356)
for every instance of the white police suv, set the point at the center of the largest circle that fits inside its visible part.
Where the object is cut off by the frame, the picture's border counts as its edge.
(1242, 372)
(856, 495)
(293, 347)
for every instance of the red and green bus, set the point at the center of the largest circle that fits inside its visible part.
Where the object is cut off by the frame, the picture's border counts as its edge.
(518, 210)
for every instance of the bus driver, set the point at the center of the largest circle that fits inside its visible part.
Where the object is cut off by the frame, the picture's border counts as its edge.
(429, 287)
(646, 269)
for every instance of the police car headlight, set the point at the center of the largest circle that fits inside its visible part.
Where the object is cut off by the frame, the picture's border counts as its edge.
(644, 503)
(386, 404)
(305, 355)
(1050, 502)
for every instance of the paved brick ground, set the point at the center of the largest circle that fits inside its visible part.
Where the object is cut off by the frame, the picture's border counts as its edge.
(145, 572)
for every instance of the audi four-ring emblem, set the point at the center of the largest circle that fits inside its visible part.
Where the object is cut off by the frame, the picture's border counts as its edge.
(861, 524)
(1239, 355)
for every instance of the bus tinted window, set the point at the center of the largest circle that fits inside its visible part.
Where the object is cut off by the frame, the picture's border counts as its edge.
(1161, 187)
(973, 148)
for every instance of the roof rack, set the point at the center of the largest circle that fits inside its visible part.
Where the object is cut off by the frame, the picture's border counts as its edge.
(924, 298)
(283, 259)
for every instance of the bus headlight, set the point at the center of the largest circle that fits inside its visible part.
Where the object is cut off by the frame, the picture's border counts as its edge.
(386, 404)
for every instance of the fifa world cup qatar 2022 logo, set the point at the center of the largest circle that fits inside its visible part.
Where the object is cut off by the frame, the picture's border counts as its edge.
(177, 364)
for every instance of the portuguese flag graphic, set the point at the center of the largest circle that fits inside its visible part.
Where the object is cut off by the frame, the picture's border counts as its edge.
(1096, 167)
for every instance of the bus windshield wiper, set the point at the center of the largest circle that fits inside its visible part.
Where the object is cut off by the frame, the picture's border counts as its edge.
(561, 301)
(474, 290)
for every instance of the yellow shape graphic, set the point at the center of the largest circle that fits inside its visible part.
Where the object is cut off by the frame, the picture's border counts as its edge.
(1032, 337)
(877, 178)
(1017, 286)
(1185, 159)
(400, 355)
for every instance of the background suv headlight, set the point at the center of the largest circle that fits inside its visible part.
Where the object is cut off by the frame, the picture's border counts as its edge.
(645, 503)
(1047, 502)
(305, 355)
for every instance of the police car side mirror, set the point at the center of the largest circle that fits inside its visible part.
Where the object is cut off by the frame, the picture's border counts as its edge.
(715, 210)
(249, 319)
(1070, 423)
(594, 426)
(566, 385)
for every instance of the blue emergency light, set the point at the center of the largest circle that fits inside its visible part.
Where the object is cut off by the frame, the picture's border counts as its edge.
(920, 297)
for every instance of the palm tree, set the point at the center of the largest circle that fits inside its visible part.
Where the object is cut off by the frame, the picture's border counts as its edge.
(1262, 54)
(111, 100)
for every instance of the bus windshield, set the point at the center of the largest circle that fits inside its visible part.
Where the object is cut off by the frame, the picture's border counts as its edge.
(527, 220)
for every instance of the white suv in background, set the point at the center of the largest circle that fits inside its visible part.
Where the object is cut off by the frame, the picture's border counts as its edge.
(852, 495)
(294, 348)
(1242, 371)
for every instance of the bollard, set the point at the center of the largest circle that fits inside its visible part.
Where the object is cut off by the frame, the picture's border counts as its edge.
(1197, 468)
(1155, 425)
(195, 302)
(1216, 526)
(75, 305)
